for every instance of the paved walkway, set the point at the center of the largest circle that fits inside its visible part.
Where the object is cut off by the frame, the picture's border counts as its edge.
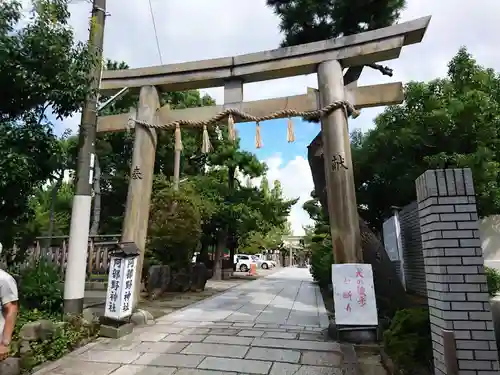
(273, 325)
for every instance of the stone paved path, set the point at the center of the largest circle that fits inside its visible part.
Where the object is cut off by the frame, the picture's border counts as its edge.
(273, 325)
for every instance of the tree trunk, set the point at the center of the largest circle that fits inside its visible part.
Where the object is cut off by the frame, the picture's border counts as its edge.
(96, 213)
(219, 249)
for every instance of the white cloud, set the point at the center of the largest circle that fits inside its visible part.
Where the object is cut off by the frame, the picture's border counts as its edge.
(296, 181)
(194, 30)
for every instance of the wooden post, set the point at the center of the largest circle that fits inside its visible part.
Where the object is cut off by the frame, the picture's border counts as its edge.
(342, 208)
(135, 224)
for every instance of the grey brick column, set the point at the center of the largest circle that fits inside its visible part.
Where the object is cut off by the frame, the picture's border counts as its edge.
(456, 283)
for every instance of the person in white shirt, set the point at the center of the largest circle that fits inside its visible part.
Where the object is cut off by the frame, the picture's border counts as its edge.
(8, 298)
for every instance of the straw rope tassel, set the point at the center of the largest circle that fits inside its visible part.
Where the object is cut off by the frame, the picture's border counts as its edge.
(258, 138)
(230, 128)
(290, 135)
(206, 146)
(178, 140)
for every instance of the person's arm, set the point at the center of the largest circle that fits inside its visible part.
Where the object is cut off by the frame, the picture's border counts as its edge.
(10, 316)
(9, 297)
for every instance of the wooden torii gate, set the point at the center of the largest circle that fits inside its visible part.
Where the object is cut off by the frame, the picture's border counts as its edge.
(326, 58)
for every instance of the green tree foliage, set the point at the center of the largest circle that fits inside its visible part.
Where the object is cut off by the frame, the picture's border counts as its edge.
(304, 21)
(40, 68)
(41, 203)
(493, 279)
(446, 123)
(174, 225)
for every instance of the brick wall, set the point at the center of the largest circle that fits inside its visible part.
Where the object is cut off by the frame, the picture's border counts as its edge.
(456, 284)
(412, 250)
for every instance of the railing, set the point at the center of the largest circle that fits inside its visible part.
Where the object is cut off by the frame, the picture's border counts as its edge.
(55, 249)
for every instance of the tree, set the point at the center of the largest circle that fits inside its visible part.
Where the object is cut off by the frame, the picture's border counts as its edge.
(305, 21)
(174, 225)
(231, 212)
(446, 123)
(40, 68)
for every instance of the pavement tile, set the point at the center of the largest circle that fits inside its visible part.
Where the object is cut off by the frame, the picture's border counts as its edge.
(280, 335)
(225, 332)
(110, 344)
(278, 355)
(250, 333)
(296, 344)
(231, 340)
(321, 358)
(237, 365)
(110, 356)
(143, 370)
(184, 338)
(167, 328)
(79, 367)
(220, 350)
(192, 371)
(147, 336)
(169, 360)
(195, 331)
(160, 347)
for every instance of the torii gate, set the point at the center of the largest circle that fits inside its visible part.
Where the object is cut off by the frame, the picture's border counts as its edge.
(326, 58)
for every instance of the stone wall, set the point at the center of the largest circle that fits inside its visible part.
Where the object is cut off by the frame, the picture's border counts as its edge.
(454, 267)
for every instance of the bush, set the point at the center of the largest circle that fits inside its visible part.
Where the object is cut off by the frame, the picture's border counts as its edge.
(408, 340)
(174, 229)
(321, 261)
(41, 287)
(66, 338)
(493, 279)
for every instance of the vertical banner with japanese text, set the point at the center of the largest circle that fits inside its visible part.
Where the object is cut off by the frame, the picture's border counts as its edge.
(354, 295)
(120, 287)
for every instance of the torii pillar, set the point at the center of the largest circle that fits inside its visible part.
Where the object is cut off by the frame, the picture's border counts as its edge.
(341, 193)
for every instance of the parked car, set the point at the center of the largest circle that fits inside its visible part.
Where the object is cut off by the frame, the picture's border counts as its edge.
(262, 262)
(242, 262)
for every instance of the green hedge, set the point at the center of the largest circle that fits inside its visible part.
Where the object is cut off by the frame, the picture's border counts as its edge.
(408, 341)
(493, 279)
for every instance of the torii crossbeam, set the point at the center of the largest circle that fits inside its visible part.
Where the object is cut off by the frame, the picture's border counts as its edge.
(327, 58)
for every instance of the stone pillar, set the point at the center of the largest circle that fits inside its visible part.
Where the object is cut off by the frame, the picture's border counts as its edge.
(456, 283)
(135, 223)
(341, 194)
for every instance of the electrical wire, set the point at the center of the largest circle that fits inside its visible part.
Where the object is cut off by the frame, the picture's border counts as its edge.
(156, 33)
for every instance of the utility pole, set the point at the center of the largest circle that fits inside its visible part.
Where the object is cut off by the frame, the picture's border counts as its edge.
(74, 282)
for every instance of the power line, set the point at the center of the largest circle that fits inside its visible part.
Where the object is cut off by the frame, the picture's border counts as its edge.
(156, 33)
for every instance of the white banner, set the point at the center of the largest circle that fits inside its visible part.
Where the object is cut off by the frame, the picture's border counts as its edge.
(354, 295)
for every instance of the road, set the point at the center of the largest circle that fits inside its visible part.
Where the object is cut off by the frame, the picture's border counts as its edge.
(274, 325)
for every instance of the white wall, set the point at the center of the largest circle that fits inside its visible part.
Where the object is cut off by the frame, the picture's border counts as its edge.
(489, 232)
